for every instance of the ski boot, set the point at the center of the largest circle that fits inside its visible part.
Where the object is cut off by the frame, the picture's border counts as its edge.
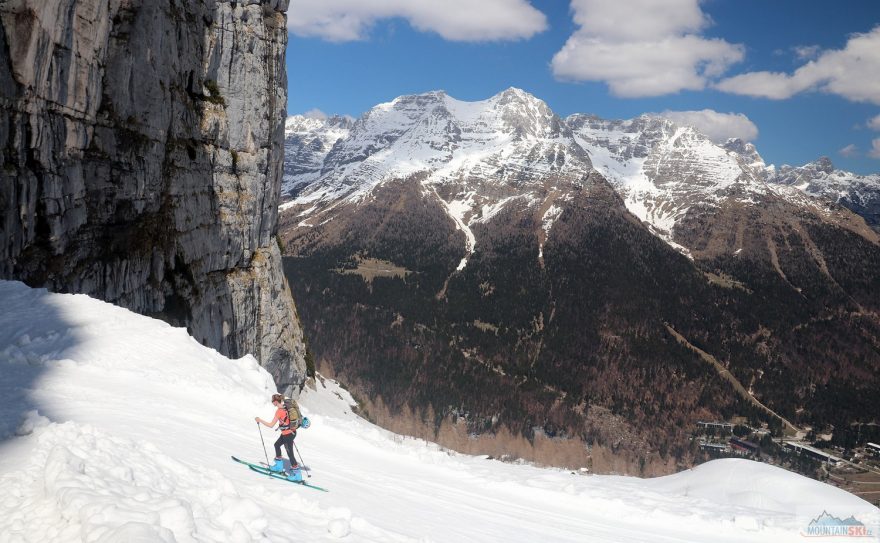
(295, 475)
(278, 466)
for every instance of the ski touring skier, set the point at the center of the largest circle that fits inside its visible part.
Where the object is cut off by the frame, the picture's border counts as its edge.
(288, 428)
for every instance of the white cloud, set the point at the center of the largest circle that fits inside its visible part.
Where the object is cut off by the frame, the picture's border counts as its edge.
(315, 113)
(874, 123)
(455, 20)
(719, 127)
(638, 20)
(875, 148)
(643, 47)
(852, 72)
(849, 151)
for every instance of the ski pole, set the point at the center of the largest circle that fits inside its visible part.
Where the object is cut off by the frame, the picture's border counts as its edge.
(301, 458)
(264, 444)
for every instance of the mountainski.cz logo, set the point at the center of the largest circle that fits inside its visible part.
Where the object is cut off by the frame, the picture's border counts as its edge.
(826, 525)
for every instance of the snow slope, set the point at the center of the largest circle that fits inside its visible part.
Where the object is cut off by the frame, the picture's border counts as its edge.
(117, 427)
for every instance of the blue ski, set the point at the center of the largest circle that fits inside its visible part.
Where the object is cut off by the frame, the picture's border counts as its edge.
(266, 471)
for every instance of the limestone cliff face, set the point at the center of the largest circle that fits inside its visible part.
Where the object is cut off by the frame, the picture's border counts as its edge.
(141, 144)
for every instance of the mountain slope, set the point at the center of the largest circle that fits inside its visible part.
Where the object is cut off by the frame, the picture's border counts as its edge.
(537, 290)
(95, 459)
(663, 171)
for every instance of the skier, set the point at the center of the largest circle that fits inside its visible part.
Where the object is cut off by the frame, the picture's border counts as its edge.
(288, 433)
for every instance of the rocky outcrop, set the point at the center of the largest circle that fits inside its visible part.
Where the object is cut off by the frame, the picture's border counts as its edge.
(141, 144)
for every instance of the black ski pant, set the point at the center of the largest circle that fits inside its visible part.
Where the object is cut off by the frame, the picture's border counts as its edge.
(287, 441)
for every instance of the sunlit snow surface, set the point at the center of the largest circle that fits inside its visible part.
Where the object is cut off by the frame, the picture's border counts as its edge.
(116, 427)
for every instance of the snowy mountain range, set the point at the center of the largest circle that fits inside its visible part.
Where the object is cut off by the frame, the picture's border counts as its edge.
(89, 457)
(512, 134)
(860, 193)
(482, 155)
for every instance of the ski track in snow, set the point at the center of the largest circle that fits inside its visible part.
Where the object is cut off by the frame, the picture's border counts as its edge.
(117, 427)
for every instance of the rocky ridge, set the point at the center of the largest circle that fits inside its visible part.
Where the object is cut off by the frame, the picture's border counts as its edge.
(142, 147)
(859, 193)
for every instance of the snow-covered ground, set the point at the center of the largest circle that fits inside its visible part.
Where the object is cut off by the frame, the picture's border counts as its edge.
(116, 427)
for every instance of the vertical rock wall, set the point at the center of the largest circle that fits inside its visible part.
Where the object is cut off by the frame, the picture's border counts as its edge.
(141, 144)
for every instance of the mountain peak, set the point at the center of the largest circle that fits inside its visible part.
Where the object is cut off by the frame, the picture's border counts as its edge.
(744, 149)
(514, 93)
(515, 96)
(437, 95)
(822, 164)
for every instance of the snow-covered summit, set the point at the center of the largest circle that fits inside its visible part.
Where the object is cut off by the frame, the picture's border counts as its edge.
(473, 157)
(512, 137)
(334, 126)
(747, 151)
(118, 427)
(821, 178)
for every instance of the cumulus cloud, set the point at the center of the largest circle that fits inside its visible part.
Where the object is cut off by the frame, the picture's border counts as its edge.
(455, 20)
(643, 47)
(849, 151)
(874, 123)
(852, 72)
(875, 148)
(719, 127)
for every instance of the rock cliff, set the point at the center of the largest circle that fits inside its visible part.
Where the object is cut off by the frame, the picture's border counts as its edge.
(142, 144)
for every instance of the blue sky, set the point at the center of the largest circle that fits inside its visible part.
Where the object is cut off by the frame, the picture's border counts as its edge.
(805, 74)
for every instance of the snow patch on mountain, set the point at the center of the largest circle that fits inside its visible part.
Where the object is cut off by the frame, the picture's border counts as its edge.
(661, 170)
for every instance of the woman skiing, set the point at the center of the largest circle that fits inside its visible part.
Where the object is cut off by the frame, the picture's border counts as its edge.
(288, 433)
